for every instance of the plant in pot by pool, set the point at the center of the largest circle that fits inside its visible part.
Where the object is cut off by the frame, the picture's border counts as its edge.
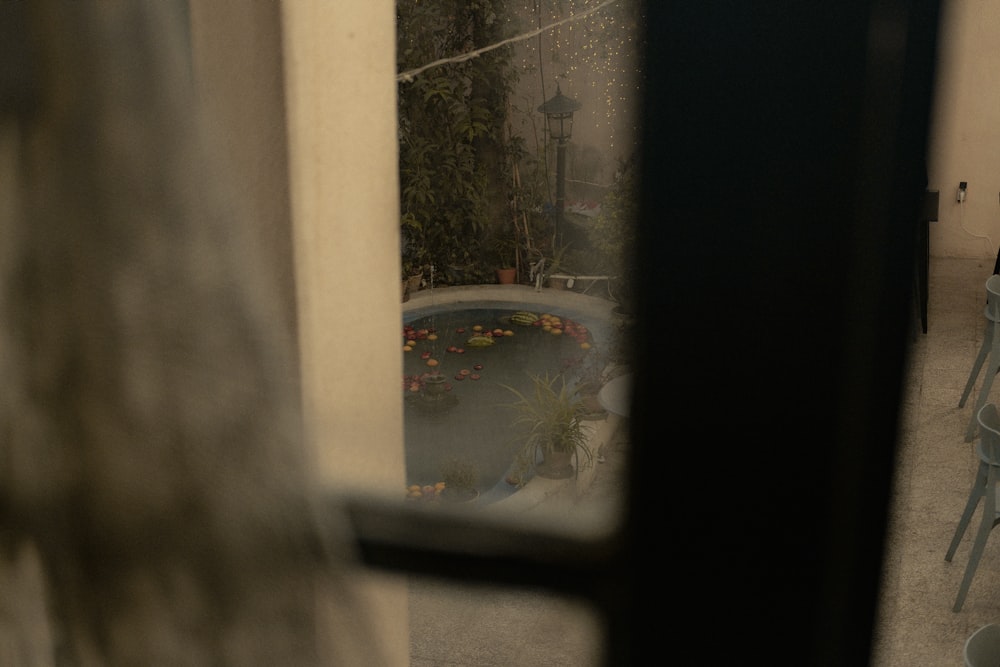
(549, 419)
(460, 477)
(505, 252)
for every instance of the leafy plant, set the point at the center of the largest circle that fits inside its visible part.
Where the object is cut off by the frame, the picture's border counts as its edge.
(460, 478)
(455, 159)
(550, 420)
(613, 233)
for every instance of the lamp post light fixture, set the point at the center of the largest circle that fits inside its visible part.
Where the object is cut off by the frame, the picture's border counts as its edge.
(559, 116)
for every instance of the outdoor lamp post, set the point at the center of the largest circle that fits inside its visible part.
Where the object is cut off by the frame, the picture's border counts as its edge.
(559, 115)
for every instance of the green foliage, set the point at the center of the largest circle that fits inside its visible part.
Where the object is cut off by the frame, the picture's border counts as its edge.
(549, 419)
(455, 160)
(612, 234)
(459, 475)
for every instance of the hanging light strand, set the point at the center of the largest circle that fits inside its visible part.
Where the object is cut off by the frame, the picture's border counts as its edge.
(408, 75)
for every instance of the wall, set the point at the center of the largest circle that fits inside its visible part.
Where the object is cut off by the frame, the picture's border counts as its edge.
(304, 94)
(965, 132)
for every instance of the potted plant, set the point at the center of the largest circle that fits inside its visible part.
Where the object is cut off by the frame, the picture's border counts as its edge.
(413, 275)
(460, 477)
(505, 253)
(556, 269)
(550, 420)
(413, 256)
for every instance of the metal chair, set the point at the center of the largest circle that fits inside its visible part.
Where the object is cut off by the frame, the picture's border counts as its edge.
(983, 488)
(982, 648)
(990, 348)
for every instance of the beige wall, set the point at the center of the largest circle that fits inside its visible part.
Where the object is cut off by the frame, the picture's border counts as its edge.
(340, 87)
(965, 135)
(304, 93)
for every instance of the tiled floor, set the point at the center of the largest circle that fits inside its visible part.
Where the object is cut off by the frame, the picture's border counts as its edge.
(934, 472)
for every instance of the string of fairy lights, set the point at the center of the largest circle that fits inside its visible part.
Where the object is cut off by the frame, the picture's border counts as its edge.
(589, 47)
(595, 58)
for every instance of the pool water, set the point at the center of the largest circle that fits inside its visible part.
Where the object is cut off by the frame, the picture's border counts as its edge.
(472, 423)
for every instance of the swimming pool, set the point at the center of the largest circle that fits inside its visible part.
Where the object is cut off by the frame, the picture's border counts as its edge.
(473, 423)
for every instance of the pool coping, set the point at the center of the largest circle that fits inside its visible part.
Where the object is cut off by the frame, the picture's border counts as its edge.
(538, 491)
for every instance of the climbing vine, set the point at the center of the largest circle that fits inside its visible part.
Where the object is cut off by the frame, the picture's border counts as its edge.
(456, 160)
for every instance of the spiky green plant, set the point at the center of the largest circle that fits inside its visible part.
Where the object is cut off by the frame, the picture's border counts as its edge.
(549, 419)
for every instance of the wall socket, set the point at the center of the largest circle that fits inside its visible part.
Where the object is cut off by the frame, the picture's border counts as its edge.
(962, 187)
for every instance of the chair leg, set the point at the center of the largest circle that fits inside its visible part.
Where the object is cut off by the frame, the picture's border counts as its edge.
(986, 524)
(975, 495)
(984, 393)
(977, 365)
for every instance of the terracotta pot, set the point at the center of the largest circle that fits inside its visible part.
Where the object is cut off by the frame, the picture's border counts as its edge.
(506, 276)
(557, 465)
(558, 282)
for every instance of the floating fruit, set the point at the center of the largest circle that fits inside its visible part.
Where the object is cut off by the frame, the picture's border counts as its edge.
(478, 327)
(459, 376)
(585, 345)
(460, 330)
(498, 332)
(479, 341)
(523, 317)
(508, 332)
(464, 372)
(475, 376)
(478, 367)
(407, 348)
(432, 362)
(432, 336)
(425, 354)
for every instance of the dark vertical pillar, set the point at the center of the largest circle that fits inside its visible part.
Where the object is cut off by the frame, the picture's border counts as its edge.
(560, 191)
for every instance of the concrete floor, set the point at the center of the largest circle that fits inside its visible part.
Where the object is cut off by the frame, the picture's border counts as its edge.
(916, 625)
(453, 626)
